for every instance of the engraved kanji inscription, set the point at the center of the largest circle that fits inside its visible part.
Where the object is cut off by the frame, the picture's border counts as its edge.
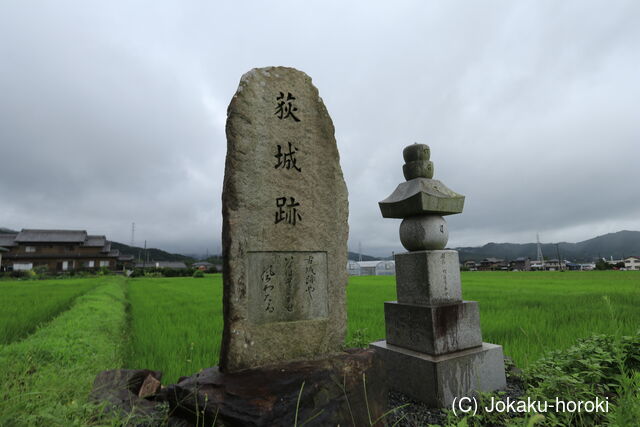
(287, 159)
(287, 286)
(267, 288)
(287, 212)
(285, 108)
(288, 283)
(309, 276)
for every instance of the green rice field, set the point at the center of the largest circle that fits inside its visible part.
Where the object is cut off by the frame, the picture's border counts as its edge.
(527, 313)
(27, 304)
(56, 331)
(175, 324)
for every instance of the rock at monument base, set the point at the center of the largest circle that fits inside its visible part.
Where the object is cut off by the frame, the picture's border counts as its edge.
(437, 380)
(333, 393)
(120, 389)
(150, 386)
(124, 379)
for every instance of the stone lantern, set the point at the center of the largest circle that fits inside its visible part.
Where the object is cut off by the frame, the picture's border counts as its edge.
(434, 350)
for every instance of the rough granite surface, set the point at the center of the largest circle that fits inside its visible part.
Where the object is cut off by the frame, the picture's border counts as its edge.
(285, 230)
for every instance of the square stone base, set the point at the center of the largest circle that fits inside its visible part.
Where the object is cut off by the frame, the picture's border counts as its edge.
(435, 330)
(437, 380)
(428, 277)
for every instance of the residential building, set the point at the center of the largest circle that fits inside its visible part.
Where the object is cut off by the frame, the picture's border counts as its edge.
(537, 265)
(491, 264)
(616, 263)
(125, 262)
(2, 250)
(573, 266)
(520, 264)
(550, 265)
(202, 265)
(56, 250)
(161, 264)
(470, 265)
(207, 266)
(632, 263)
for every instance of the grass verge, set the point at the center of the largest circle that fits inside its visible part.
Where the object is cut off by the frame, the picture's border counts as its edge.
(45, 379)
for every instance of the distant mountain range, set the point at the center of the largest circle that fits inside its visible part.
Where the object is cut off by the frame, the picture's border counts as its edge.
(617, 245)
(354, 256)
(153, 253)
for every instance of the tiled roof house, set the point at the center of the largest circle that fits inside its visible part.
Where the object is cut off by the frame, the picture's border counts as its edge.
(58, 250)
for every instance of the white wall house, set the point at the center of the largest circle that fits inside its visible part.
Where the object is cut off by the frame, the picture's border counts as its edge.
(632, 263)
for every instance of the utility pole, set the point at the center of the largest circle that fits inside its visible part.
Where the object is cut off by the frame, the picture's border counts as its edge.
(144, 264)
(133, 234)
(560, 263)
(360, 251)
(540, 257)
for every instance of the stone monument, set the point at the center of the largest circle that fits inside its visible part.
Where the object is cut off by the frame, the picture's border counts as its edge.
(284, 232)
(434, 350)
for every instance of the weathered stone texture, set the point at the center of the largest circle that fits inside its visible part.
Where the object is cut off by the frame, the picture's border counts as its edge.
(284, 196)
(437, 380)
(433, 330)
(424, 232)
(434, 350)
(428, 277)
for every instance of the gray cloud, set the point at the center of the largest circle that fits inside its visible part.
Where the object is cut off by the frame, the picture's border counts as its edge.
(115, 113)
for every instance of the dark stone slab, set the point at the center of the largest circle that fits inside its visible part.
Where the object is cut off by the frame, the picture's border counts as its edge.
(333, 393)
(433, 330)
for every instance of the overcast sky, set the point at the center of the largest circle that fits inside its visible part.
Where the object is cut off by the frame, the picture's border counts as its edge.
(114, 112)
